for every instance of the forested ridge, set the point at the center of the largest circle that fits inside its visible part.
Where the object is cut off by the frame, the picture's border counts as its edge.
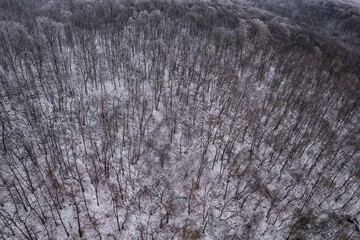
(334, 19)
(165, 119)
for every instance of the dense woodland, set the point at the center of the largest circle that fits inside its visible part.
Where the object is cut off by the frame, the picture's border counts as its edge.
(331, 18)
(174, 120)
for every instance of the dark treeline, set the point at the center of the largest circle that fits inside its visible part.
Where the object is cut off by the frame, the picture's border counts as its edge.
(174, 120)
(333, 18)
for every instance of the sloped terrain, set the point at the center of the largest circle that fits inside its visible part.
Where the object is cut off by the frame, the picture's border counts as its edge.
(337, 19)
(174, 120)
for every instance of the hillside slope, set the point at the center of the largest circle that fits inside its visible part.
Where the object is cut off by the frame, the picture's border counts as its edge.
(175, 120)
(337, 19)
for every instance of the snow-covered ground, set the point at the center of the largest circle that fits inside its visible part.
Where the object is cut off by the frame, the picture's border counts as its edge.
(179, 123)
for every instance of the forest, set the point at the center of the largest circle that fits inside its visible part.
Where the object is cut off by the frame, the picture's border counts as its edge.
(170, 119)
(330, 18)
